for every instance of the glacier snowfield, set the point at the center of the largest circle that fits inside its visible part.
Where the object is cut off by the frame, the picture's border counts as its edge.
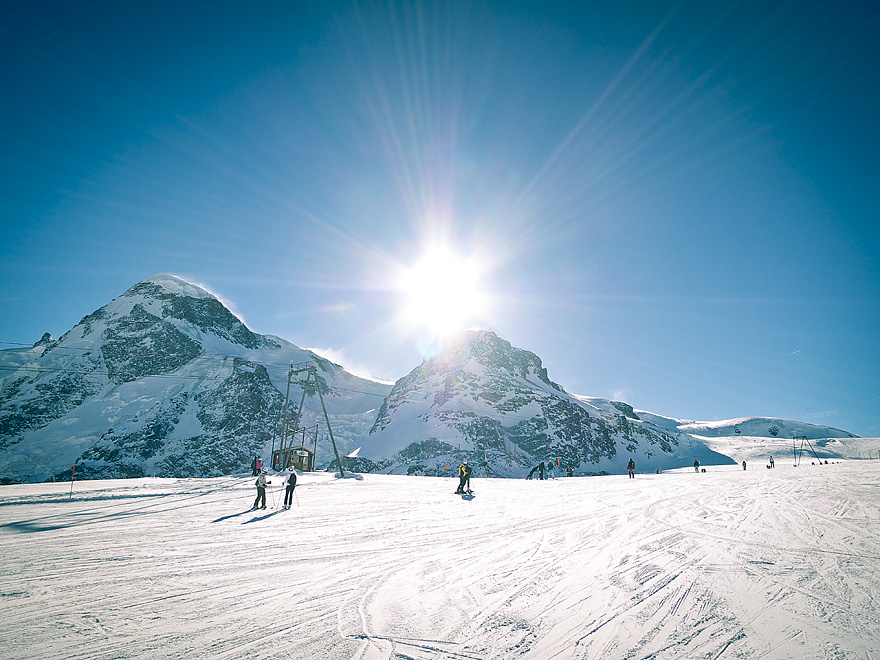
(762, 564)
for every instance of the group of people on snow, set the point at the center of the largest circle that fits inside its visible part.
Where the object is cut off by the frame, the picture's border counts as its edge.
(544, 470)
(631, 466)
(547, 470)
(289, 485)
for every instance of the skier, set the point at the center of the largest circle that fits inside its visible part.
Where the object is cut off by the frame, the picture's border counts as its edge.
(550, 468)
(258, 467)
(289, 483)
(254, 467)
(696, 466)
(631, 466)
(541, 470)
(531, 472)
(464, 479)
(772, 465)
(569, 472)
(261, 489)
(744, 465)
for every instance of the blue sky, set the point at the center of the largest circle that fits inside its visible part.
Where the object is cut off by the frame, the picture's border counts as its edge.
(671, 203)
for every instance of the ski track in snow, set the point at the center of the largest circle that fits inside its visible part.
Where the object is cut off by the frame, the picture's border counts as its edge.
(767, 564)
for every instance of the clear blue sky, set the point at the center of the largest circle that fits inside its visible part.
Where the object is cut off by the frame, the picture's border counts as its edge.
(672, 203)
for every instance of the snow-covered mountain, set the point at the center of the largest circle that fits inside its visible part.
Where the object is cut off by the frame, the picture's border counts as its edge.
(483, 400)
(166, 381)
(163, 380)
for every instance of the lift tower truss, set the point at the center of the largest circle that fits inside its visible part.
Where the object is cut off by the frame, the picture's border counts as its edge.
(295, 377)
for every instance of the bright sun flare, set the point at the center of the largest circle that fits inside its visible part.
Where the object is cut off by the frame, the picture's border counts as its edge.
(442, 292)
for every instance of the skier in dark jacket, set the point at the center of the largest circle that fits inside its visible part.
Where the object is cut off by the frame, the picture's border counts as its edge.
(464, 479)
(290, 483)
(541, 470)
(696, 466)
(254, 472)
(631, 466)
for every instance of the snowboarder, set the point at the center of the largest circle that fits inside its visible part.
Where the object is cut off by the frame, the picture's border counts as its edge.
(261, 490)
(631, 466)
(464, 479)
(772, 465)
(696, 466)
(290, 484)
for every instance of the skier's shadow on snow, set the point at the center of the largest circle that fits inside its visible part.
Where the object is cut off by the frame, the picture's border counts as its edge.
(233, 515)
(244, 513)
(268, 515)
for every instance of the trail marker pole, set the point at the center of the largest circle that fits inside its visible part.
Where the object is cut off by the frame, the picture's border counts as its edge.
(72, 472)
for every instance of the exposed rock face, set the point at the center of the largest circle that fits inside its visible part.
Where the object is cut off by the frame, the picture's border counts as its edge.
(162, 380)
(481, 398)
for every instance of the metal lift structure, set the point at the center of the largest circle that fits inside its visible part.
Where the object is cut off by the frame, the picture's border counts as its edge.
(799, 448)
(305, 375)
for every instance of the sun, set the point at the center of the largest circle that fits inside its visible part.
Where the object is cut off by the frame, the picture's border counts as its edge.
(441, 292)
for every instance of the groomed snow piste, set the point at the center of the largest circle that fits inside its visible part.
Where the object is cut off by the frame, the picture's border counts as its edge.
(763, 564)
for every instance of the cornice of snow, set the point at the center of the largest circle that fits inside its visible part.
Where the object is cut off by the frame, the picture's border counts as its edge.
(177, 286)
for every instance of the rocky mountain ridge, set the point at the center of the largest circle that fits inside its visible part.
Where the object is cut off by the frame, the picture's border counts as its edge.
(484, 400)
(164, 380)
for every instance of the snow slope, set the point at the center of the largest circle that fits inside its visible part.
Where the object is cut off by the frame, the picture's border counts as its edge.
(761, 564)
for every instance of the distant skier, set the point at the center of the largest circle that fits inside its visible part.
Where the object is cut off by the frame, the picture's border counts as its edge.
(532, 471)
(258, 466)
(550, 469)
(744, 465)
(464, 479)
(290, 484)
(696, 466)
(254, 471)
(631, 468)
(772, 464)
(541, 470)
(261, 490)
(569, 472)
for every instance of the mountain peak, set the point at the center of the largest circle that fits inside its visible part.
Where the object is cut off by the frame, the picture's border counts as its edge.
(170, 284)
(491, 352)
